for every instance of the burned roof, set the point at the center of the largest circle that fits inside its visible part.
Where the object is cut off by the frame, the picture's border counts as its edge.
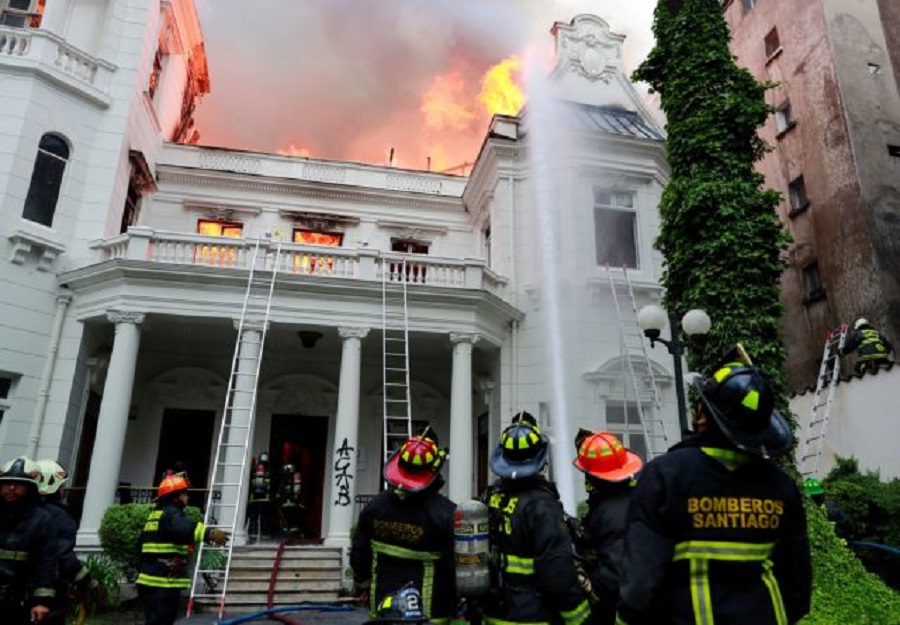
(614, 121)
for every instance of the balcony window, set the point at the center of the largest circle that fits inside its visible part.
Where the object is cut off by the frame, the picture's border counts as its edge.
(316, 263)
(213, 254)
(815, 288)
(615, 228)
(21, 13)
(414, 271)
(623, 420)
(46, 180)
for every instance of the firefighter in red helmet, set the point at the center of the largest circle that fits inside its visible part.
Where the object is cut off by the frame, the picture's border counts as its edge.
(609, 470)
(405, 534)
(166, 545)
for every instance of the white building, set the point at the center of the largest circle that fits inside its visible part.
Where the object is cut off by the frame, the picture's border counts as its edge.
(125, 267)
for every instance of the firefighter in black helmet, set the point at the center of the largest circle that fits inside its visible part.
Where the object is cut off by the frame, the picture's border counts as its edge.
(28, 555)
(534, 577)
(872, 347)
(716, 531)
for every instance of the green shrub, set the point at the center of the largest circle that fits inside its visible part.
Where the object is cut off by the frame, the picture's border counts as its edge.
(107, 574)
(120, 531)
(843, 591)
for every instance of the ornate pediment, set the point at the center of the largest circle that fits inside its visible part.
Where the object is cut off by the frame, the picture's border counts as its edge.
(587, 48)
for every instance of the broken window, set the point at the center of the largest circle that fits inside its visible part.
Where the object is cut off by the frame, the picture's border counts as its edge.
(615, 228)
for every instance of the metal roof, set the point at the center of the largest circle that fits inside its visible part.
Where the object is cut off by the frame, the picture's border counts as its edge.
(615, 121)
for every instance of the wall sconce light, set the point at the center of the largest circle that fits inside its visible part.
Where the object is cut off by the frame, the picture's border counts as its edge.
(309, 338)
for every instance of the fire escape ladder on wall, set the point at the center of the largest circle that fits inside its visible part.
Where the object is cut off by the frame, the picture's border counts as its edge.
(813, 443)
(635, 360)
(395, 352)
(226, 492)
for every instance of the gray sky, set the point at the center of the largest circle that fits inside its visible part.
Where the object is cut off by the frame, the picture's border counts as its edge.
(345, 79)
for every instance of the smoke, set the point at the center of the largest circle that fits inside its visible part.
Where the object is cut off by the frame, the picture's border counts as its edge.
(347, 79)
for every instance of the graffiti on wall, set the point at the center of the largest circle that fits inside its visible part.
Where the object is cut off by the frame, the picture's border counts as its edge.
(342, 462)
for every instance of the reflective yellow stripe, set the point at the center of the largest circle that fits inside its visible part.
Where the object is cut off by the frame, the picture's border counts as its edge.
(731, 458)
(163, 582)
(620, 620)
(165, 548)
(700, 596)
(771, 583)
(579, 615)
(15, 556)
(427, 585)
(400, 552)
(499, 621)
(520, 566)
(199, 532)
(722, 550)
(44, 592)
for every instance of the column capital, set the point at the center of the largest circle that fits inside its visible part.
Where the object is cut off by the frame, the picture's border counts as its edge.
(353, 332)
(464, 337)
(125, 316)
(251, 324)
(63, 299)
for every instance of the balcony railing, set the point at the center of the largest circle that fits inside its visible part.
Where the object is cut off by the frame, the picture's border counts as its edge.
(146, 244)
(47, 52)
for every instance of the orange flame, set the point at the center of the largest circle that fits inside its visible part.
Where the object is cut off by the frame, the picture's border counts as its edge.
(446, 104)
(500, 91)
(294, 150)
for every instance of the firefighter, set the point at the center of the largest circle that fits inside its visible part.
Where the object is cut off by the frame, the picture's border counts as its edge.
(609, 470)
(405, 534)
(872, 347)
(534, 576)
(28, 567)
(73, 575)
(260, 508)
(290, 502)
(716, 531)
(166, 544)
(843, 525)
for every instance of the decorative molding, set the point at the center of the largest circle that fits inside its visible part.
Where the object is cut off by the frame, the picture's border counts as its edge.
(464, 337)
(412, 230)
(586, 47)
(24, 241)
(229, 162)
(353, 332)
(413, 183)
(319, 172)
(125, 316)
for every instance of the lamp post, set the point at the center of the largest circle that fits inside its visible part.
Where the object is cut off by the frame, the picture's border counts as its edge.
(652, 319)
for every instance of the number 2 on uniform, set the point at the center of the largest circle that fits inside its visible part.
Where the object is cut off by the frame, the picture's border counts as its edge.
(412, 602)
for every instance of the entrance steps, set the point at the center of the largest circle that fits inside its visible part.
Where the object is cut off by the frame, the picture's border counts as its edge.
(306, 573)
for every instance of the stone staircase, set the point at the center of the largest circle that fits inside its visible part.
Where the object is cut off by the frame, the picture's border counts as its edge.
(307, 573)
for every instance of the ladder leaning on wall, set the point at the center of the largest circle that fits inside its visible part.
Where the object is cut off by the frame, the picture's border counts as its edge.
(210, 579)
(395, 352)
(813, 443)
(634, 354)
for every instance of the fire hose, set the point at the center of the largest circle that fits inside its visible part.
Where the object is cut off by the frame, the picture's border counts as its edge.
(276, 612)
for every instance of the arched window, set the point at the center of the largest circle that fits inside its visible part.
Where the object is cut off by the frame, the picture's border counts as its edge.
(46, 179)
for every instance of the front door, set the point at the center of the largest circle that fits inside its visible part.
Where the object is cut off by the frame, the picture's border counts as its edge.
(300, 440)
(184, 445)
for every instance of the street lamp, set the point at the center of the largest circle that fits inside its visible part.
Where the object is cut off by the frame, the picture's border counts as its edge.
(652, 319)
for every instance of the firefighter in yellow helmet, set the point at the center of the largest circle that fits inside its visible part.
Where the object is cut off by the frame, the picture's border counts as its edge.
(405, 534)
(28, 570)
(534, 578)
(716, 530)
(167, 542)
(609, 470)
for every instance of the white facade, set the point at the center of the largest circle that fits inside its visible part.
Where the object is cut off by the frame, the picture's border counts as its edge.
(118, 333)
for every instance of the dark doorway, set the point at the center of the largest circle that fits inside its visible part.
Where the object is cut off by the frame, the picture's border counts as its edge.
(300, 441)
(82, 467)
(481, 453)
(185, 440)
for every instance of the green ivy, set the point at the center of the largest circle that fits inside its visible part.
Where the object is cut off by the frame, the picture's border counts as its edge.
(724, 248)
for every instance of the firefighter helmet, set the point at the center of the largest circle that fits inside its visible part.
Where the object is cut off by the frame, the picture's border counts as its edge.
(171, 484)
(743, 405)
(415, 465)
(522, 451)
(404, 606)
(21, 469)
(53, 476)
(812, 487)
(862, 322)
(603, 456)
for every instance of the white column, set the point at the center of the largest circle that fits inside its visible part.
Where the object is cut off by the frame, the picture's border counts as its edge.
(106, 459)
(242, 421)
(346, 439)
(462, 436)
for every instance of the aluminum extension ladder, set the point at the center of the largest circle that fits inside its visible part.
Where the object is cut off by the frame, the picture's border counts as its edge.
(210, 579)
(817, 426)
(633, 346)
(395, 353)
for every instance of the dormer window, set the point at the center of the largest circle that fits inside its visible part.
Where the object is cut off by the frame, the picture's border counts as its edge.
(21, 13)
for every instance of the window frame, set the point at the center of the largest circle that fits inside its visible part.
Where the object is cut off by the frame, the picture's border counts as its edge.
(614, 207)
(772, 43)
(424, 246)
(34, 209)
(797, 196)
(7, 383)
(813, 283)
(30, 17)
(749, 5)
(627, 429)
(784, 118)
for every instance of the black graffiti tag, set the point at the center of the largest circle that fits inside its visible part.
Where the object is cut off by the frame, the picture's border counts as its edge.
(342, 475)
